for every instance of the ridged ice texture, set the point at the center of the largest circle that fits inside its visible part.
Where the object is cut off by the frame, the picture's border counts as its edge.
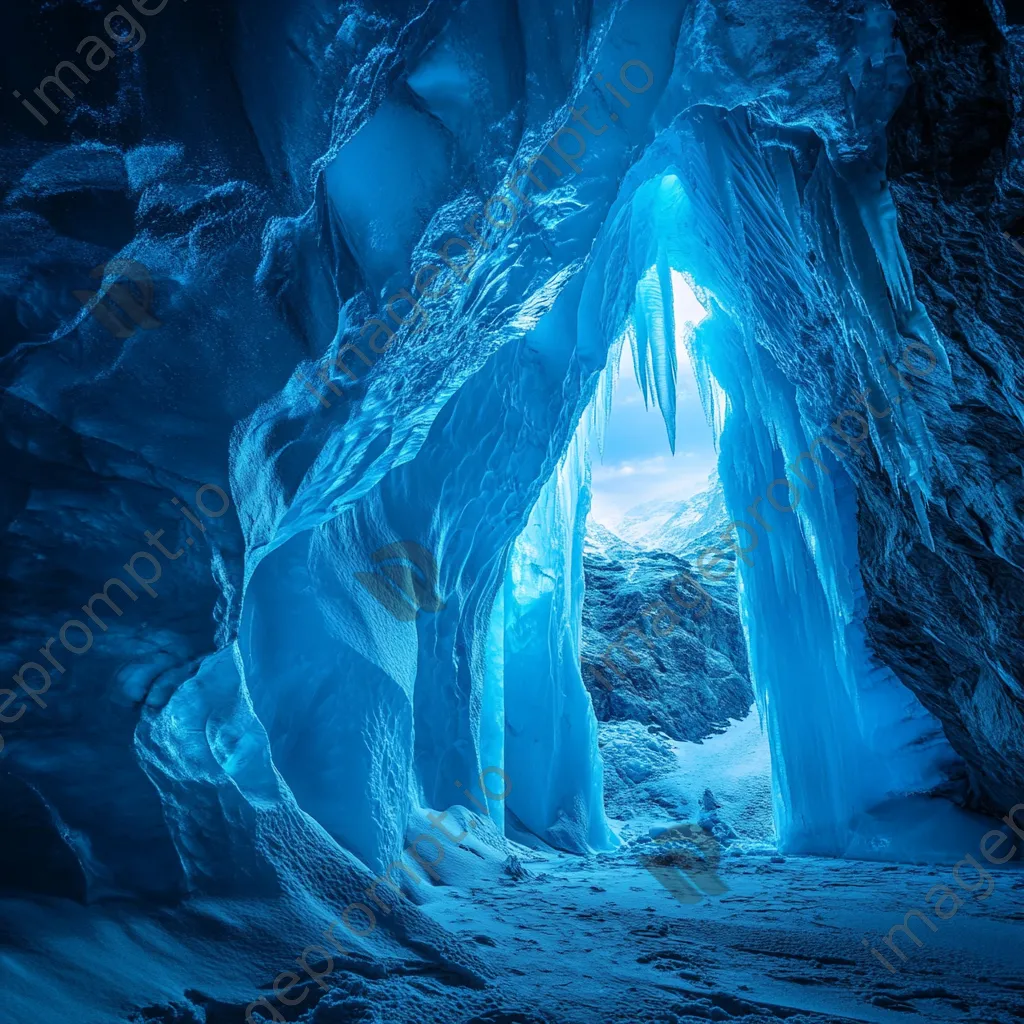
(271, 726)
(830, 712)
(550, 726)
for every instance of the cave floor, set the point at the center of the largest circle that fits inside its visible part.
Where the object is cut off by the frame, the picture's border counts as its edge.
(592, 942)
(577, 941)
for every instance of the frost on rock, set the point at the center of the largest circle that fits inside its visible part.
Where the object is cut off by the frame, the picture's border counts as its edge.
(649, 658)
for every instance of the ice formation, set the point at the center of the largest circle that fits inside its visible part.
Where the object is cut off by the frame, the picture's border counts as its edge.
(394, 248)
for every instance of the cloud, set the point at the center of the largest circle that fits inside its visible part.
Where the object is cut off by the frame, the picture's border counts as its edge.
(622, 485)
(652, 467)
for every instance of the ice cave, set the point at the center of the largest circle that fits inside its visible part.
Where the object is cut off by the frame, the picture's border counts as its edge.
(509, 512)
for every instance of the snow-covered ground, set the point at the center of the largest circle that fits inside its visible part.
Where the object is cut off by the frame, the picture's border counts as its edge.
(600, 941)
(564, 939)
(652, 781)
(577, 941)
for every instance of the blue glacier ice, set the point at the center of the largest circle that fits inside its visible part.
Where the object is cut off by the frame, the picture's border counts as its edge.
(366, 269)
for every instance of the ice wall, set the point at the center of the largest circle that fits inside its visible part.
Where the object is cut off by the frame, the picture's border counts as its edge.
(456, 435)
(551, 730)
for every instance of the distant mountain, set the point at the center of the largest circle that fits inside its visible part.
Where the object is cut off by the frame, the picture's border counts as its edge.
(684, 528)
(602, 541)
(641, 520)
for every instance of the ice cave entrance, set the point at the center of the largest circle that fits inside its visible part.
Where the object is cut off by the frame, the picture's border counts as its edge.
(846, 749)
(656, 499)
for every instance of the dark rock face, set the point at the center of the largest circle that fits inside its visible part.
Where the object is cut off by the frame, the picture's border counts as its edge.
(687, 673)
(948, 621)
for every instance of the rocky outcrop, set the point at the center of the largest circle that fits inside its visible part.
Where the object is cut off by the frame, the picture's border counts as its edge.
(947, 616)
(647, 657)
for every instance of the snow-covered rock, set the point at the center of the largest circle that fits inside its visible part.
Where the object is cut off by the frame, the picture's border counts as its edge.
(649, 658)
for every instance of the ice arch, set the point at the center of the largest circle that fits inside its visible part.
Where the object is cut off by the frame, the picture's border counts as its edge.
(468, 445)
